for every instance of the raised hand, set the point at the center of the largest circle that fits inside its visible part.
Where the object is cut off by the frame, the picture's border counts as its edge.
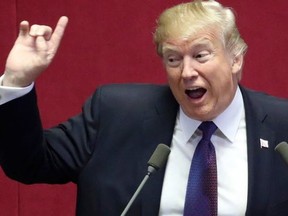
(32, 53)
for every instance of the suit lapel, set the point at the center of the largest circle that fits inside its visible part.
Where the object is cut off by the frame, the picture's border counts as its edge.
(259, 158)
(158, 127)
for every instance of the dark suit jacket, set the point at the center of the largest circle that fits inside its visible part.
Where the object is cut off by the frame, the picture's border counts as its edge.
(105, 149)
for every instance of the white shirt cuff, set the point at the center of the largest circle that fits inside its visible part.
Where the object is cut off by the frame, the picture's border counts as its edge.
(10, 93)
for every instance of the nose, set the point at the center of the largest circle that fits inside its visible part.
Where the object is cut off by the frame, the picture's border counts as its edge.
(188, 68)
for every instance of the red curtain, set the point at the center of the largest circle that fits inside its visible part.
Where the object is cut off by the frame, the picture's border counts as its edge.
(111, 42)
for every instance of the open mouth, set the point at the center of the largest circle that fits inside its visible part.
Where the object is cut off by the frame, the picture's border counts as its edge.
(195, 93)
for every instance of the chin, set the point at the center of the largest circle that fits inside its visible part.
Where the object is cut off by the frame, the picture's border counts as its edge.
(202, 115)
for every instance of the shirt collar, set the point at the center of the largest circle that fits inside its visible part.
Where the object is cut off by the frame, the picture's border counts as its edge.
(227, 122)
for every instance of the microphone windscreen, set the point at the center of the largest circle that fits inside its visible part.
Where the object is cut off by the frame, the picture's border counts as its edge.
(282, 148)
(159, 157)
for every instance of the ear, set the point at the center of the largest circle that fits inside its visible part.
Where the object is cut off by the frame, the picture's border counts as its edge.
(237, 64)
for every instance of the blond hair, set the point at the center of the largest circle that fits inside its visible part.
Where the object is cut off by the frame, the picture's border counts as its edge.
(184, 20)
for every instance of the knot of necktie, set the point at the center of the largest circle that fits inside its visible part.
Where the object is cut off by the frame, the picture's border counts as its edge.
(208, 128)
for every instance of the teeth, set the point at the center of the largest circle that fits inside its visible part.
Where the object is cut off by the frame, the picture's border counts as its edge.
(193, 88)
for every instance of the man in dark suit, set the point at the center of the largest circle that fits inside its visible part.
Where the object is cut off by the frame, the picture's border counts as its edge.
(105, 148)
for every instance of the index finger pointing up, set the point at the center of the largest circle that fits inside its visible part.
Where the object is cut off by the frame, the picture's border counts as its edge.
(59, 30)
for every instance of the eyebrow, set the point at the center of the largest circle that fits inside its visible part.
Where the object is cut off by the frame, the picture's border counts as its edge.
(198, 43)
(169, 50)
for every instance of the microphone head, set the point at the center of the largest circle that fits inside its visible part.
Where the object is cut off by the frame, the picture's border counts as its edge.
(282, 148)
(159, 157)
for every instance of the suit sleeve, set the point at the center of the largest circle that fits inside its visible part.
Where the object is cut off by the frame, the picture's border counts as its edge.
(30, 154)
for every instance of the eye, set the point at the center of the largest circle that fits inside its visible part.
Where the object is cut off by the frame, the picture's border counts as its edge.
(172, 60)
(203, 56)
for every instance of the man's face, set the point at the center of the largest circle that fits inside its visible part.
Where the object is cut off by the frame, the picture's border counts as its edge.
(202, 74)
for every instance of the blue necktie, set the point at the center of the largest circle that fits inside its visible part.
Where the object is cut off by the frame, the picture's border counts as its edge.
(201, 194)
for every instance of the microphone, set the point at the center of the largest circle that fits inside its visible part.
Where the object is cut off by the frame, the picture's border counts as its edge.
(282, 148)
(156, 161)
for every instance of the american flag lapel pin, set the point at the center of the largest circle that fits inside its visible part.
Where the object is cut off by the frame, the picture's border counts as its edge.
(264, 143)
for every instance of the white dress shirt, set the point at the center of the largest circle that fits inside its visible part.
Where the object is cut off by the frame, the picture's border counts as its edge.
(10, 93)
(231, 152)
